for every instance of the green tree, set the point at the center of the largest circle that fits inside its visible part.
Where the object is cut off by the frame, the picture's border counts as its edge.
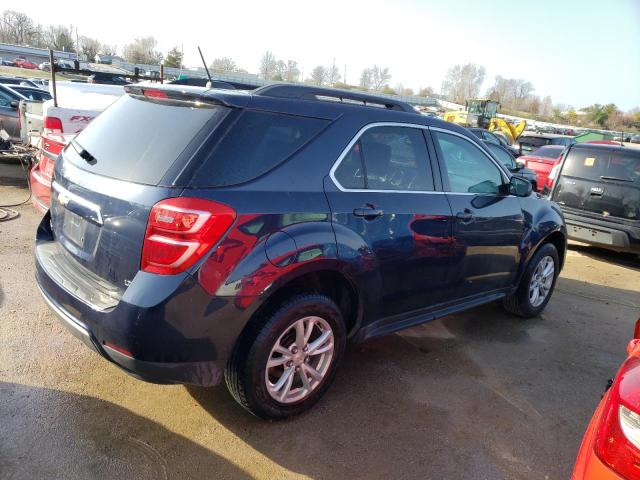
(89, 47)
(173, 58)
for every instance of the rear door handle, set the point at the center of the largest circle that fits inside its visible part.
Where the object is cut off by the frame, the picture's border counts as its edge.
(369, 212)
(465, 216)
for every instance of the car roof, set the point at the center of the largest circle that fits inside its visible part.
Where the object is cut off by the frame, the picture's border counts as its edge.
(605, 148)
(546, 135)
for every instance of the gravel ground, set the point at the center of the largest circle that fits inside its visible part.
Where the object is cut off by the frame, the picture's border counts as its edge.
(479, 395)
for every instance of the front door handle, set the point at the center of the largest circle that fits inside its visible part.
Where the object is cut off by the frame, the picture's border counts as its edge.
(465, 216)
(369, 212)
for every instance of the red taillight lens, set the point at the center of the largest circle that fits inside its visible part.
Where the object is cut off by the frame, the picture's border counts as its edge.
(636, 330)
(618, 434)
(154, 93)
(52, 125)
(180, 231)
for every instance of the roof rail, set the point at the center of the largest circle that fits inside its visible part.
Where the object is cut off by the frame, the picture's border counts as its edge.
(305, 92)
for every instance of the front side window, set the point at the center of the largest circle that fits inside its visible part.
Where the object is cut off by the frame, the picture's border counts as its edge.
(387, 158)
(468, 168)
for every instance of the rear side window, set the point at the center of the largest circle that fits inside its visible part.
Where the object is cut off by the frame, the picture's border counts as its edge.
(602, 165)
(387, 158)
(255, 144)
(534, 141)
(547, 152)
(502, 155)
(139, 140)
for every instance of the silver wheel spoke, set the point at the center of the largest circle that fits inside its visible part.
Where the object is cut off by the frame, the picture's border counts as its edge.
(282, 351)
(276, 362)
(317, 343)
(283, 379)
(305, 380)
(300, 334)
(312, 371)
(287, 386)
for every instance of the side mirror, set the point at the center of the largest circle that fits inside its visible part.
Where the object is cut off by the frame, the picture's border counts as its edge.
(520, 187)
(15, 104)
(520, 164)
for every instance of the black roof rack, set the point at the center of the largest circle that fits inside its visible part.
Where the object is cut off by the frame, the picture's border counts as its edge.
(305, 92)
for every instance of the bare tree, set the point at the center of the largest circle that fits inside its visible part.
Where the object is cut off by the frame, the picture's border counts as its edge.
(366, 79)
(292, 73)
(332, 74)
(379, 77)
(463, 82)
(223, 64)
(59, 37)
(319, 75)
(426, 92)
(18, 28)
(142, 51)
(111, 50)
(268, 65)
(89, 47)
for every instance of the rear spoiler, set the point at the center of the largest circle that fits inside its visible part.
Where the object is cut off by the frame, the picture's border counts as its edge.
(192, 95)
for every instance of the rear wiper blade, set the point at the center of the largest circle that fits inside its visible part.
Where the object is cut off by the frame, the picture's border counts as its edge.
(83, 153)
(604, 177)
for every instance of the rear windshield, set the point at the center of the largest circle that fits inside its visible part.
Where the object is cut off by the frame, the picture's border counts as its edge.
(139, 140)
(257, 143)
(603, 165)
(534, 141)
(547, 152)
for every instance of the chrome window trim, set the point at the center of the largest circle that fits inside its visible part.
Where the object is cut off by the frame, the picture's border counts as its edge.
(356, 137)
(360, 132)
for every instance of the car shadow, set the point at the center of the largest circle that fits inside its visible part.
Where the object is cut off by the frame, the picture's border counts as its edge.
(628, 260)
(54, 434)
(506, 397)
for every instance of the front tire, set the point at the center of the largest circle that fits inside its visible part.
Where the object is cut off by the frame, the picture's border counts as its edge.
(537, 283)
(284, 363)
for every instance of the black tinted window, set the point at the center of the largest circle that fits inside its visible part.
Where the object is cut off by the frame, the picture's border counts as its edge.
(349, 173)
(602, 165)
(502, 155)
(534, 141)
(396, 158)
(547, 152)
(138, 140)
(32, 94)
(469, 169)
(257, 143)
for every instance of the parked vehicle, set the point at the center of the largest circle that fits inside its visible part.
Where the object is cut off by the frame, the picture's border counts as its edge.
(31, 93)
(42, 83)
(195, 234)
(202, 82)
(527, 143)
(610, 449)
(491, 137)
(46, 66)
(6, 63)
(598, 190)
(24, 63)
(9, 119)
(107, 79)
(542, 162)
(16, 81)
(516, 167)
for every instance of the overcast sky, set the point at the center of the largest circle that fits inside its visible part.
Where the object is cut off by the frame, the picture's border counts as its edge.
(578, 51)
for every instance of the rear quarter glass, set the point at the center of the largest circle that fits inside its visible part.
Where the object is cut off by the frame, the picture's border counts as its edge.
(139, 140)
(257, 143)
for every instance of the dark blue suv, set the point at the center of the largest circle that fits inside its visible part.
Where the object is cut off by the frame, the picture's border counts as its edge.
(198, 234)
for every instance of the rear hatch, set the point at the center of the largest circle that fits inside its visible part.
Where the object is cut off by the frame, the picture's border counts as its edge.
(110, 176)
(603, 183)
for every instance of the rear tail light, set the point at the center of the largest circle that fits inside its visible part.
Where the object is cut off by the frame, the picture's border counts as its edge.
(52, 125)
(180, 231)
(552, 176)
(618, 433)
(52, 146)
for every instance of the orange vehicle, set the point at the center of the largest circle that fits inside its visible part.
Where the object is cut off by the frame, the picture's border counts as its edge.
(610, 449)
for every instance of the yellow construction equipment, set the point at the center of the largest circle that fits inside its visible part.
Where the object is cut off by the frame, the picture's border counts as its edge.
(482, 112)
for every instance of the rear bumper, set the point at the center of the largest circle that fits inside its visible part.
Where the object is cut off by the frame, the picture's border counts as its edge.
(164, 329)
(613, 236)
(40, 189)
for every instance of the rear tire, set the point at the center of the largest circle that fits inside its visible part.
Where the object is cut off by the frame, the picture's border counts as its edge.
(267, 370)
(524, 302)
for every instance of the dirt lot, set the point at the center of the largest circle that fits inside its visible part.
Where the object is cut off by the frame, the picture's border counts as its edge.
(480, 395)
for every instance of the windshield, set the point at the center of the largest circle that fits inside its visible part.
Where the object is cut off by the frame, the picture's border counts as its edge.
(547, 152)
(603, 165)
(139, 140)
(504, 157)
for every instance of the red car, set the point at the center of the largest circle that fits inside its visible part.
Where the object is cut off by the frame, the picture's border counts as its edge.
(24, 63)
(542, 161)
(610, 449)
